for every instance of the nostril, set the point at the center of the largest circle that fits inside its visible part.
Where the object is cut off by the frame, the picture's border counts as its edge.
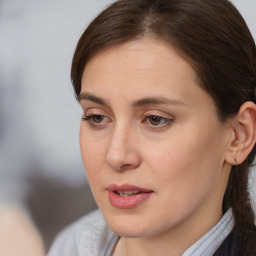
(126, 167)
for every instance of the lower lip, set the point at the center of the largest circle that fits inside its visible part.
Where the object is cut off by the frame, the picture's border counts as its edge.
(129, 201)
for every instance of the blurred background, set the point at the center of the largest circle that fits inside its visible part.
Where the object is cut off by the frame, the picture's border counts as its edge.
(41, 170)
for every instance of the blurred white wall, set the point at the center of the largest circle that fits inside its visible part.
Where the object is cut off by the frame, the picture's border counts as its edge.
(39, 117)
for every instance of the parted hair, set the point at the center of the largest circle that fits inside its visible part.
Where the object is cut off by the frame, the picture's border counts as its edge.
(212, 36)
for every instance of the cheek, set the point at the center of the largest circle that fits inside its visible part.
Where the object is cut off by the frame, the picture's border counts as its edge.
(184, 175)
(92, 153)
(187, 160)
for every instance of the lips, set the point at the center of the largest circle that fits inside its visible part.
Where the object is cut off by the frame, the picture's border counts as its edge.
(127, 196)
(127, 193)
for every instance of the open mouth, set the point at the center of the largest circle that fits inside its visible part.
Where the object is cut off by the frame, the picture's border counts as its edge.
(127, 196)
(127, 193)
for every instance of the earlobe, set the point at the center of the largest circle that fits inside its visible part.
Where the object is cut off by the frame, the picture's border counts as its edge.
(244, 134)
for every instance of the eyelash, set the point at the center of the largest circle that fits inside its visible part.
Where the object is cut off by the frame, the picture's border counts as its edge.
(167, 121)
(91, 122)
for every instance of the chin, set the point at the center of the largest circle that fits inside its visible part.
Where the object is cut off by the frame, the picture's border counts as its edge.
(130, 226)
(131, 232)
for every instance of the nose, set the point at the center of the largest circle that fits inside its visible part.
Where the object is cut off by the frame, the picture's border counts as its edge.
(122, 153)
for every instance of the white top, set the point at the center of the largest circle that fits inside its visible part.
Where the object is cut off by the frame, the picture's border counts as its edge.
(90, 236)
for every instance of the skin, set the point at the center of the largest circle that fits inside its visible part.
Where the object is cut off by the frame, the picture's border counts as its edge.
(18, 236)
(181, 157)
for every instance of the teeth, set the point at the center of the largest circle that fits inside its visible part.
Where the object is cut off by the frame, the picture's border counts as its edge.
(130, 192)
(123, 195)
(127, 193)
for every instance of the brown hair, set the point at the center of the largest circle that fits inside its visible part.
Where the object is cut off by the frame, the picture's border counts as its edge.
(212, 36)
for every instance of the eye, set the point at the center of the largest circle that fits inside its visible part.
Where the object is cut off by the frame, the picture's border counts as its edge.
(157, 121)
(96, 120)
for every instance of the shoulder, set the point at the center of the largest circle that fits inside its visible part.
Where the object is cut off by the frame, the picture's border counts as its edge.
(89, 235)
(241, 241)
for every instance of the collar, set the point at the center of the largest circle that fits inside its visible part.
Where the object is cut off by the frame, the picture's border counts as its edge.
(211, 241)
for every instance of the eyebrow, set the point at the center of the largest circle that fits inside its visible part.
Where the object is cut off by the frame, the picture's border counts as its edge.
(91, 97)
(138, 103)
(157, 101)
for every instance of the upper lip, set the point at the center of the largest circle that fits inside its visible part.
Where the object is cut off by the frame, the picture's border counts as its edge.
(127, 187)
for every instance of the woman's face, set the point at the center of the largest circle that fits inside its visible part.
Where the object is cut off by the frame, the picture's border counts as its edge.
(151, 142)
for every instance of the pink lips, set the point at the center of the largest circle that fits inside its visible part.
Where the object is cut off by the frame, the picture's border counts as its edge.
(127, 196)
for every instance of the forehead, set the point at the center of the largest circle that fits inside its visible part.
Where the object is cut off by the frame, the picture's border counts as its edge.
(145, 53)
(138, 69)
(140, 56)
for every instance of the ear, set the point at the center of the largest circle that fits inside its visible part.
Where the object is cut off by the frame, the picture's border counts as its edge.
(243, 134)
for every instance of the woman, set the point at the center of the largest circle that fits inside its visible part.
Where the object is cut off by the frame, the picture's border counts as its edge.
(167, 135)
